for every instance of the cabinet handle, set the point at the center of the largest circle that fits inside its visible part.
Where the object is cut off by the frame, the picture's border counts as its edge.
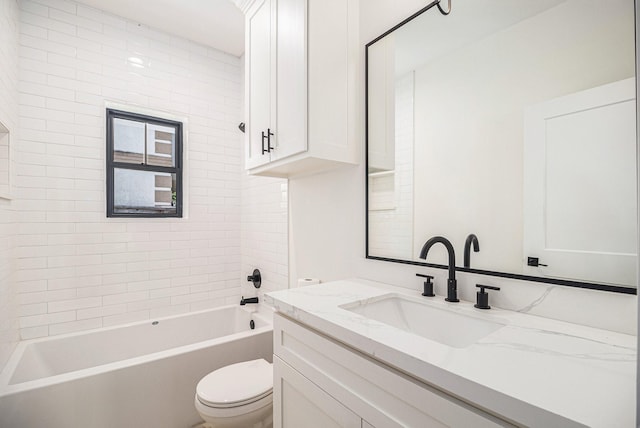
(269, 134)
(263, 137)
(268, 137)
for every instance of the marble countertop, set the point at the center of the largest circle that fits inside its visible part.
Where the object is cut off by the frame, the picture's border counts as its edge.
(534, 371)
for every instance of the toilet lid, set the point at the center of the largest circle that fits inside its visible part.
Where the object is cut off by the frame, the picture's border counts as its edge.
(236, 384)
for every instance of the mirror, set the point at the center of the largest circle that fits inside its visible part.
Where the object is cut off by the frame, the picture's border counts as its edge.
(514, 121)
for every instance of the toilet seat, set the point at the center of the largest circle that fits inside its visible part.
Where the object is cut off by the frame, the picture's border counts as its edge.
(245, 384)
(232, 405)
(233, 412)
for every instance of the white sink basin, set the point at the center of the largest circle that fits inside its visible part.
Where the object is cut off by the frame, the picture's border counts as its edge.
(441, 325)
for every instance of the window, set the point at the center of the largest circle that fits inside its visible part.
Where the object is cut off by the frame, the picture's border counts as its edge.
(144, 166)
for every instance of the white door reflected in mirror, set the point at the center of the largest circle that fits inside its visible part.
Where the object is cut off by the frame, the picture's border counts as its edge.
(579, 184)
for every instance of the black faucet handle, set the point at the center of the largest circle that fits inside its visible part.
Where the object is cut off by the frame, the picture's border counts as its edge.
(488, 287)
(482, 297)
(428, 285)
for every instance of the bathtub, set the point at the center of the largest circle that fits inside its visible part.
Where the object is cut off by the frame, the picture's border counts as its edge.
(138, 375)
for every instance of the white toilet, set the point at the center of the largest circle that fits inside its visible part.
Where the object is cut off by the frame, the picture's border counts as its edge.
(237, 396)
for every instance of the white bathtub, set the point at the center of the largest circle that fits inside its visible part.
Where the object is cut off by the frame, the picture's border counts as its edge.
(138, 375)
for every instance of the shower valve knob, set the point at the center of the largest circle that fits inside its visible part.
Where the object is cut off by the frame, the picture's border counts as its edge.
(256, 278)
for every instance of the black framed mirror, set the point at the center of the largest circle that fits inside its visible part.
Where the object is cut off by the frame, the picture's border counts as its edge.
(514, 121)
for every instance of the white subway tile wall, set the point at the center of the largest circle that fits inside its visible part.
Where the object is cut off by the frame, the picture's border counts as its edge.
(9, 16)
(391, 197)
(264, 233)
(79, 270)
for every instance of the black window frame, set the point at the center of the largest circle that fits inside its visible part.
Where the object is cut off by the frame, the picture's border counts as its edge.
(112, 165)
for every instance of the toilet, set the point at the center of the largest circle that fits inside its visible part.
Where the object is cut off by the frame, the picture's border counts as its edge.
(238, 395)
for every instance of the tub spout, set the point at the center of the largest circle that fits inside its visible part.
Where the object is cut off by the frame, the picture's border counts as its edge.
(244, 301)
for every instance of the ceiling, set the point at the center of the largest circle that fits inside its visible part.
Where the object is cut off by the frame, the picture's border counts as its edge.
(215, 23)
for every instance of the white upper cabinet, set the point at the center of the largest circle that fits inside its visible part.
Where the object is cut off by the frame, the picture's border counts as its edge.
(300, 102)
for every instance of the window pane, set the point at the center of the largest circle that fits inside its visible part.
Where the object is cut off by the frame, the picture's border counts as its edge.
(143, 169)
(144, 192)
(128, 141)
(160, 145)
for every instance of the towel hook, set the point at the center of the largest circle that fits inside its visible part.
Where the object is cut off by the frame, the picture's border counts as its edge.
(442, 11)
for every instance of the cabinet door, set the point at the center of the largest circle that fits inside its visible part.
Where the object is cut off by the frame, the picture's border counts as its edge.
(298, 402)
(259, 83)
(291, 99)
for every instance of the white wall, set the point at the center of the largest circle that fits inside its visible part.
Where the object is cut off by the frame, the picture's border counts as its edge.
(77, 269)
(9, 117)
(327, 219)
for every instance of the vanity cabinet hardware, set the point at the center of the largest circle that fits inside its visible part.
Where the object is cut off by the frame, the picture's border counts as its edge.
(428, 285)
(482, 297)
(534, 261)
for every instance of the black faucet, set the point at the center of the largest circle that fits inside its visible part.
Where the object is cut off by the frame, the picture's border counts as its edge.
(452, 287)
(244, 301)
(471, 239)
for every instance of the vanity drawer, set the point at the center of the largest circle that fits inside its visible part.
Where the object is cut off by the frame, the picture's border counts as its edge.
(379, 394)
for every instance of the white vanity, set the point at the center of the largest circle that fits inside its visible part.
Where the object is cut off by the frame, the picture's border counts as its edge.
(357, 353)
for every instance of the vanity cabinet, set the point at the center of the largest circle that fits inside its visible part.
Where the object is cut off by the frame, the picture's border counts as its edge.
(329, 384)
(303, 404)
(300, 85)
